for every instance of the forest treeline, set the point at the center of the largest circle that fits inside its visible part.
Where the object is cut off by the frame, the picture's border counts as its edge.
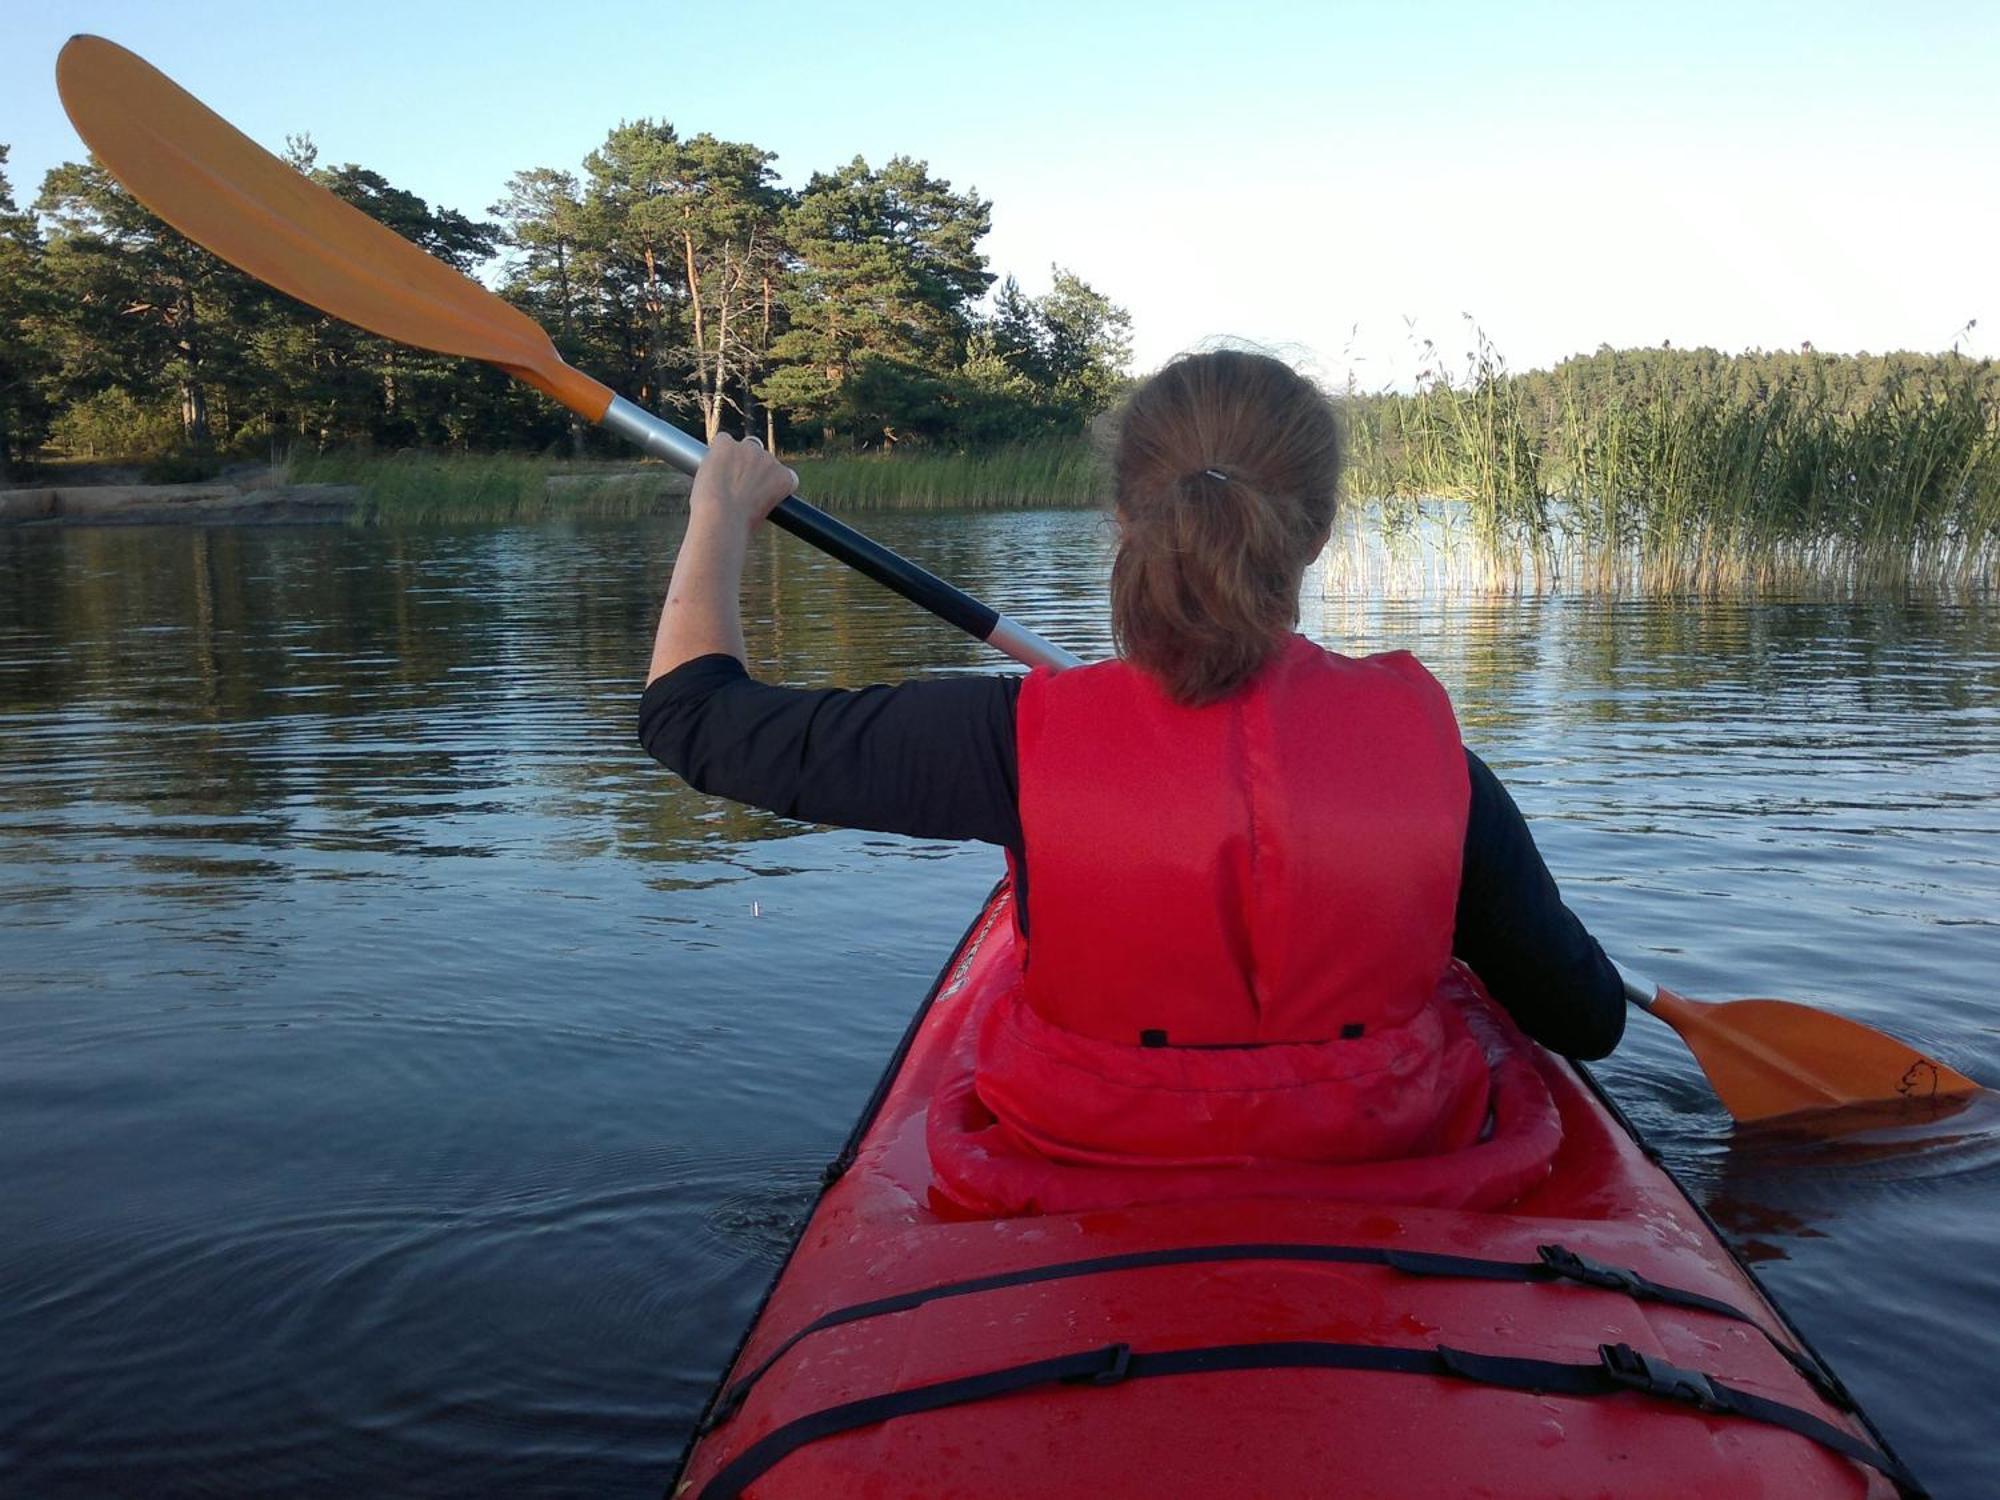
(855, 313)
(855, 318)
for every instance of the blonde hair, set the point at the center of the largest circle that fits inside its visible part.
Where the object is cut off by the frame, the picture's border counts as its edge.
(1227, 476)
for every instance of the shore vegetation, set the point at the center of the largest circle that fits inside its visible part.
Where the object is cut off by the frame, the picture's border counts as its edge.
(855, 314)
(1678, 470)
(853, 325)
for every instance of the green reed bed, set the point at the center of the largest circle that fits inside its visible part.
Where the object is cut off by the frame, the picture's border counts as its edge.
(403, 487)
(1684, 470)
(411, 486)
(1061, 473)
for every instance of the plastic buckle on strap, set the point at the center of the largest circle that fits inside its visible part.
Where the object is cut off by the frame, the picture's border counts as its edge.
(1567, 1264)
(1117, 1365)
(1656, 1377)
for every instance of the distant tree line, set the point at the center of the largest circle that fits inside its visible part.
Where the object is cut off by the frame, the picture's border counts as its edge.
(854, 314)
(1845, 384)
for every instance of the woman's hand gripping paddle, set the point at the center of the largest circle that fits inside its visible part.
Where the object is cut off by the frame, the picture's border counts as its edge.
(231, 196)
(226, 193)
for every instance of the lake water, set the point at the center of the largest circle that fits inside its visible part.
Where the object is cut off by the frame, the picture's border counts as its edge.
(406, 1087)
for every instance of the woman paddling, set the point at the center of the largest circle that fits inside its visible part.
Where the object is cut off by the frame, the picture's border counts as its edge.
(1244, 863)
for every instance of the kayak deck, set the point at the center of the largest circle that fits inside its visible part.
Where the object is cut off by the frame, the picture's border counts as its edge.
(1261, 1346)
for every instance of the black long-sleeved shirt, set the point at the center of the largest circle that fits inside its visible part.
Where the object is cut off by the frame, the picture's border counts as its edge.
(936, 759)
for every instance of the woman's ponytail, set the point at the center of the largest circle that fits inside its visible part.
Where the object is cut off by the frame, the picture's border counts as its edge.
(1227, 469)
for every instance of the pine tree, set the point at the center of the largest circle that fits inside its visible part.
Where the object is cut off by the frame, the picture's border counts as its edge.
(886, 269)
(23, 310)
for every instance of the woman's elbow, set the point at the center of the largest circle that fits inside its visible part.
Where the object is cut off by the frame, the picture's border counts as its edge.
(668, 738)
(1594, 1032)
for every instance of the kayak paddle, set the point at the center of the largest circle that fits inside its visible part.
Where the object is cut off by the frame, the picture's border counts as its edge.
(1770, 1058)
(231, 196)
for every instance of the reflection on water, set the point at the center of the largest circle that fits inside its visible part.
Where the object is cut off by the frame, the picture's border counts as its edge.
(1930, 1136)
(406, 1087)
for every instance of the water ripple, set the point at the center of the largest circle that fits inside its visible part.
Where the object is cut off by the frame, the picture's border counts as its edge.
(406, 1088)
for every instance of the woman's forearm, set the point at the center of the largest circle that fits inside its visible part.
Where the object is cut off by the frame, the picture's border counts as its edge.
(703, 614)
(737, 485)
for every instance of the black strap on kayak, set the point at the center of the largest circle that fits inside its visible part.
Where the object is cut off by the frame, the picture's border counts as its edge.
(1618, 1368)
(1570, 1266)
(1556, 1264)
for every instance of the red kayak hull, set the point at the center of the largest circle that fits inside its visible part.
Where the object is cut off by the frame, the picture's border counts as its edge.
(879, 1231)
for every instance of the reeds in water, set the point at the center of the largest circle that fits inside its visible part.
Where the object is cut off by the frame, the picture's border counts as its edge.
(416, 486)
(1677, 471)
(1062, 472)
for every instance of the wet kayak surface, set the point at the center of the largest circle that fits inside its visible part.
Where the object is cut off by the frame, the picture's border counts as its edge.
(406, 1086)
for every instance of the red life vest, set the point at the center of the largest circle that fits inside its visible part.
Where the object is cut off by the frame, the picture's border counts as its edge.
(1238, 918)
(981, 1166)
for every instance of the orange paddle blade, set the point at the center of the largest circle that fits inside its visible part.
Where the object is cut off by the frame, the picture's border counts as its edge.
(231, 196)
(1768, 1058)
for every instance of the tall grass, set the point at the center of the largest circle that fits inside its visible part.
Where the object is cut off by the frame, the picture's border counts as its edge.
(1654, 470)
(1063, 472)
(519, 487)
(412, 486)
(1704, 480)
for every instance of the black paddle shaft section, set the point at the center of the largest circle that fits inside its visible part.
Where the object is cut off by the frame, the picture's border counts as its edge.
(922, 588)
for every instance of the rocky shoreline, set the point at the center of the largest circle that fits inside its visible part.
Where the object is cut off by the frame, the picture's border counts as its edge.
(258, 496)
(213, 503)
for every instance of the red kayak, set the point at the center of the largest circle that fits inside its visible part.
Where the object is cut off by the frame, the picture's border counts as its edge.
(1594, 1337)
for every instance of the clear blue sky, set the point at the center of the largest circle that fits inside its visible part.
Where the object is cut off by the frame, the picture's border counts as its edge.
(1308, 176)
